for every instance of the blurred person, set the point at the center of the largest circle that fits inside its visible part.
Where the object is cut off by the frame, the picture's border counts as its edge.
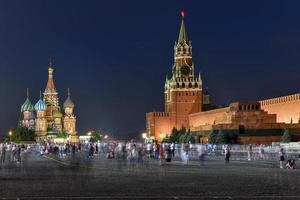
(2, 153)
(173, 149)
(281, 158)
(168, 153)
(290, 164)
(184, 154)
(227, 154)
(261, 151)
(249, 152)
(201, 152)
(161, 155)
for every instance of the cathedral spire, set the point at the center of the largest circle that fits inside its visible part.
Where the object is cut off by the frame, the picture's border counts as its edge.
(27, 93)
(68, 103)
(182, 33)
(50, 84)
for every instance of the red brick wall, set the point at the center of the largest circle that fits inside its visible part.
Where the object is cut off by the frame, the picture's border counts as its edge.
(286, 108)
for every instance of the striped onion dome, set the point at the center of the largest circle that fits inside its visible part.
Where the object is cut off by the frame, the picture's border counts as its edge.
(27, 106)
(40, 105)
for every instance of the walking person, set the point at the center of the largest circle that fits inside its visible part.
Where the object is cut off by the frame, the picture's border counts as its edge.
(249, 152)
(161, 155)
(261, 152)
(227, 154)
(184, 154)
(18, 154)
(201, 152)
(2, 150)
(173, 149)
(168, 154)
(281, 158)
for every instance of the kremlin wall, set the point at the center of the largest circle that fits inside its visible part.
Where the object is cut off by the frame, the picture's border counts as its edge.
(260, 122)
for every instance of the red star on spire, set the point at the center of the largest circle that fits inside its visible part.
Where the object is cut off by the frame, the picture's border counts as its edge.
(182, 14)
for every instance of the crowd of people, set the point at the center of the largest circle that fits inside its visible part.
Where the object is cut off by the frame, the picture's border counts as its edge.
(11, 152)
(133, 153)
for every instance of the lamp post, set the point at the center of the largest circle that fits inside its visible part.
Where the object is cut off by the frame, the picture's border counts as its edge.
(10, 134)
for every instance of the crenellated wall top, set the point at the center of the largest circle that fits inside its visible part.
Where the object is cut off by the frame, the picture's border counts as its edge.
(278, 100)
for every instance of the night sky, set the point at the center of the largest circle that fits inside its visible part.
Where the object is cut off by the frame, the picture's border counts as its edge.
(114, 55)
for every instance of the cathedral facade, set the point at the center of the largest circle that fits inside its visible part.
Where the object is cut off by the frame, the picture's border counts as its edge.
(186, 105)
(46, 117)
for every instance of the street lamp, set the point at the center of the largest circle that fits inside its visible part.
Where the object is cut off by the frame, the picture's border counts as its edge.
(89, 133)
(144, 135)
(10, 134)
(105, 136)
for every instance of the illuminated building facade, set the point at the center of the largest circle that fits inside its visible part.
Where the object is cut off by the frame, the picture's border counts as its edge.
(187, 106)
(46, 117)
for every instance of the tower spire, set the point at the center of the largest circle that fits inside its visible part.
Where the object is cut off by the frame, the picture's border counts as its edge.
(40, 94)
(27, 93)
(69, 94)
(50, 84)
(182, 33)
(50, 63)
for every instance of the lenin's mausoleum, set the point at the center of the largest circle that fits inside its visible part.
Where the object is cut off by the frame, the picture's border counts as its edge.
(186, 105)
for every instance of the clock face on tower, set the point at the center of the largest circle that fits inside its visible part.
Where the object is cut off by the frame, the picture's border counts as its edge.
(185, 70)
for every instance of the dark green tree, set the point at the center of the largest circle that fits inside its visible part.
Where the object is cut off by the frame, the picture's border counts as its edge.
(166, 139)
(63, 135)
(286, 137)
(95, 136)
(212, 137)
(21, 134)
(221, 137)
(174, 136)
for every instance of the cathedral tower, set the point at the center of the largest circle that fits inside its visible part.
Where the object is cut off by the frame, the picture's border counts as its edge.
(53, 114)
(69, 120)
(40, 121)
(183, 91)
(27, 110)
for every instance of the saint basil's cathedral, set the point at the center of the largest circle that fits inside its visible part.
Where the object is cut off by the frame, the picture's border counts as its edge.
(46, 117)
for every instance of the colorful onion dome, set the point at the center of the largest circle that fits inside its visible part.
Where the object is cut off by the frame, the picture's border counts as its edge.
(27, 105)
(68, 103)
(40, 105)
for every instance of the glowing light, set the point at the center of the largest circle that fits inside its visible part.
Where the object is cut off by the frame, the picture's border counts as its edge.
(144, 135)
(10, 133)
(182, 14)
(106, 136)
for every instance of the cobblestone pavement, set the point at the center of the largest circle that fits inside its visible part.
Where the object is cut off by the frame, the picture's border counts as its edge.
(49, 177)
